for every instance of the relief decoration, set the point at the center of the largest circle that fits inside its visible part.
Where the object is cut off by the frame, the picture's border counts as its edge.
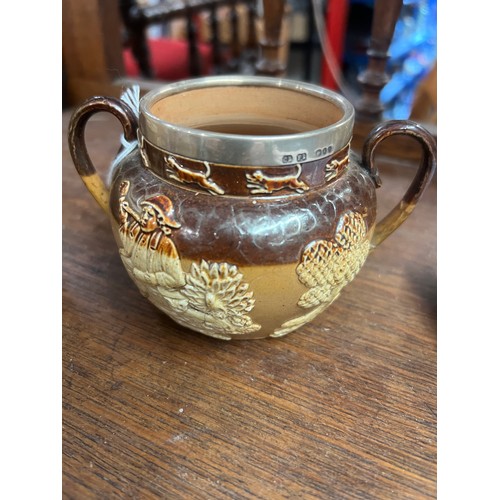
(174, 170)
(260, 183)
(334, 167)
(327, 266)
(212, 298)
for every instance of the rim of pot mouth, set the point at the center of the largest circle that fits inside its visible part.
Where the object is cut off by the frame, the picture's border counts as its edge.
(238, 149)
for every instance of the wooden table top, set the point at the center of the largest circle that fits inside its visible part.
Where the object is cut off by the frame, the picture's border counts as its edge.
(344, 407)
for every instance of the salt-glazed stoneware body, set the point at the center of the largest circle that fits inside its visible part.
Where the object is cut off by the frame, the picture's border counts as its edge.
(237, 205)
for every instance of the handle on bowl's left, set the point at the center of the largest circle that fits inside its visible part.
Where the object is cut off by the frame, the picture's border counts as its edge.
(78, 148)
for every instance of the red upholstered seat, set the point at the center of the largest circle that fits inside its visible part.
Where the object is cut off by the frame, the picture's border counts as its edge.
(169, 59)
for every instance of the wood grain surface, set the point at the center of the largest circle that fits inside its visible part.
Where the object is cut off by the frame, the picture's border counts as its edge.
(343, 408)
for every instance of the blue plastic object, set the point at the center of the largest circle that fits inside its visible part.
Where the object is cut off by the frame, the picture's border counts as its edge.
(412, 55)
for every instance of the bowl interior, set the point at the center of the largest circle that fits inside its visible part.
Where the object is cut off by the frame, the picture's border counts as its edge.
(247, 110)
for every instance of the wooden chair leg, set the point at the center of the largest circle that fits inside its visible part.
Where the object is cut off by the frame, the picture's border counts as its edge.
(372, 80)
(269, 62)
(137, 38)
(252, 32)
(194, 55)
(216, 46)
(233, 64)
(140, 50)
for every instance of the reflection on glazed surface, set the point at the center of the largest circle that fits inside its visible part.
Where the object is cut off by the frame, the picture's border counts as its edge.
(248, 231)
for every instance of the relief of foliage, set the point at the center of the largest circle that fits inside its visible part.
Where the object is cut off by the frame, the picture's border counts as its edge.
(327, 266)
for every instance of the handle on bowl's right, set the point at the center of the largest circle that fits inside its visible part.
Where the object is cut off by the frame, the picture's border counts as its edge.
(422, 178)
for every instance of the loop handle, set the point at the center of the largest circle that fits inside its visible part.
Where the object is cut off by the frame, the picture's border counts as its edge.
(420, 182)
(78, 148)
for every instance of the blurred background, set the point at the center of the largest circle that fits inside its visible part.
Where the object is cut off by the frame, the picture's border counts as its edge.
(380, 54)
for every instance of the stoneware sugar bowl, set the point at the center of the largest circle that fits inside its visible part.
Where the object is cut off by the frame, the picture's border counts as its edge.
(236, 203)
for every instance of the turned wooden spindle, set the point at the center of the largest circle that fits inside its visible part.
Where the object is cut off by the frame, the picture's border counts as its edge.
(252, 43)
(192, 36)
(136, 27)
(234, 41)
(216, 46)
(269, 62)
(385, 14)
